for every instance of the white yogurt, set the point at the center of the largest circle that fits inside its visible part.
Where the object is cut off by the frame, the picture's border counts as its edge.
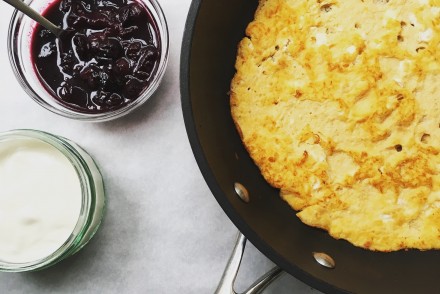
(40, 200)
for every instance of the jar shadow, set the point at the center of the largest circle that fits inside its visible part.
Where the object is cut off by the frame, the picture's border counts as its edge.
(102, 259)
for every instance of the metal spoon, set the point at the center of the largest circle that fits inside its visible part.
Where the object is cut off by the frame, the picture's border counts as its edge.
(20, 5)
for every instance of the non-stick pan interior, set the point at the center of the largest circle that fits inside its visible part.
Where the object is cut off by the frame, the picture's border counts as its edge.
(212, 33)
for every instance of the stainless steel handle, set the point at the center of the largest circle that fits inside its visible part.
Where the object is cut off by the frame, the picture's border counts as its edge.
(226, 285)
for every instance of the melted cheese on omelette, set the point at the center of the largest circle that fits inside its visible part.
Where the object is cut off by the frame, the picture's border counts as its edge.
(338, 103)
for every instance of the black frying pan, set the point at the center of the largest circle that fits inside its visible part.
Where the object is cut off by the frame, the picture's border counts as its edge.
(213, 30)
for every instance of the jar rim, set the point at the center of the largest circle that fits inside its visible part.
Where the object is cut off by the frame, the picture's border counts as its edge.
(87, 188)
(46, 100)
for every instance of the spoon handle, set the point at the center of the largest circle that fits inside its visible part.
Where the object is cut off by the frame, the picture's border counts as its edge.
(20, 5)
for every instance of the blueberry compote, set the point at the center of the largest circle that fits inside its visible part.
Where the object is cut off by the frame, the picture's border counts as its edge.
(106, 57)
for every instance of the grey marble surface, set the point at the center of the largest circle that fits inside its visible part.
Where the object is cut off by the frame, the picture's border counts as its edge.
(163, 231)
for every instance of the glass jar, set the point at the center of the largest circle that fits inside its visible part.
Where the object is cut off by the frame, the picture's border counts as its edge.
(92, 197)
(20, 33)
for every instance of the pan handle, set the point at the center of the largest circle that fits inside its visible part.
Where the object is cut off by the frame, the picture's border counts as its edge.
(226, 285)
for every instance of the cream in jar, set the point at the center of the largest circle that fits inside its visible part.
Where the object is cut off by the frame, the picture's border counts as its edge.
(51, 199)
(40, 200)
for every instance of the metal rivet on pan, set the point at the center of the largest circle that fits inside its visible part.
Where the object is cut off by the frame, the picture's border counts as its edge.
(242, 192)
(324, 259)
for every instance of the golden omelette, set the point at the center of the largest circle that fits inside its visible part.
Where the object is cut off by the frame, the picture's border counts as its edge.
(338, 103)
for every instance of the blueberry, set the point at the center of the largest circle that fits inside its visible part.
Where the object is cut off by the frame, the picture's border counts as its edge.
(147, 60)
(131, 12)
(124, 32)
(77, 71)
(78, 16)
(141, 75)
(64, 91)
(103, 78)
(114, 100)
(81, 45)
(98, 3)
(108, 68)
(79, 97)
(91, 75)
(77, 8)
(112, 48)
(107, 81)
(86, 6)
(112, 14)
(132, 49)
(68, 61)
(106, 3)
(95, 40)
(77, 22)
(135, 10)
(107, 99)
(65, 5)
(72, 94)
(104, 46)
(122, 67)
(100, 98)
(151, 52)
(120, 3)
(70, 19)
(133, 87)
(97, 20)
(45, 34)
(66, 35)
(123, 14)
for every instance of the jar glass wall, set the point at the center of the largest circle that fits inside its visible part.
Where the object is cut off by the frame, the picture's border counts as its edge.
(20, 34)
(92, 197)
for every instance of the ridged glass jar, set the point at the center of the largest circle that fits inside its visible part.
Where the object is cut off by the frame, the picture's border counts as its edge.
(92, 198)
(19, 49)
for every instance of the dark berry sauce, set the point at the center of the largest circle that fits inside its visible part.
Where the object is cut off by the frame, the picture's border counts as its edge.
(104, 60)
